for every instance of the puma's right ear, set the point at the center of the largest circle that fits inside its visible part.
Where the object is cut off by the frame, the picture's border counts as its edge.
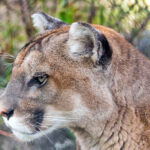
(86, 41)
(42, 22)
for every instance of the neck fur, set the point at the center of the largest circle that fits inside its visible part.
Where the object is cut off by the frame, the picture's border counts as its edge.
(123, 131)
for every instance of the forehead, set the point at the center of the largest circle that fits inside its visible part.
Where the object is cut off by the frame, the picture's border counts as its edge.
(36, 61)
(37, 55)
(43, 42)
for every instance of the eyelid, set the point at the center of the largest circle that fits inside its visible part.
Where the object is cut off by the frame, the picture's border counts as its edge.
(38, 74)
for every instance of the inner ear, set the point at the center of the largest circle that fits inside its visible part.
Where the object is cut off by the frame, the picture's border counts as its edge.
(86, 41)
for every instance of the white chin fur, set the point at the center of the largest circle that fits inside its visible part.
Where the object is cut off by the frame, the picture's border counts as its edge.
(23, 137)
(30, 137)
(23, 133)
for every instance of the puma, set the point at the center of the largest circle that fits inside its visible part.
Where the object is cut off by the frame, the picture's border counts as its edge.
(84, 77)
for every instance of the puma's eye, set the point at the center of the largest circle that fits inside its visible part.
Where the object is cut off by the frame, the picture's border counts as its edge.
(39, 79)
(42, 79)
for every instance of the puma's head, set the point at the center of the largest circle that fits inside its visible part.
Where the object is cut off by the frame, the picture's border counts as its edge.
(59, 79)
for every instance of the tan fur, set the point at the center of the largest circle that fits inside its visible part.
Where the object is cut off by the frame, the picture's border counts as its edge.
(106, 109)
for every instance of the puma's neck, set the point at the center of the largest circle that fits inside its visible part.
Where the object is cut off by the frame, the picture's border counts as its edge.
(123, 131)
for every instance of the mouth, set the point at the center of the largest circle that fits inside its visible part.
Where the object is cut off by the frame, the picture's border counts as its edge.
(27, 132)
(24, 133)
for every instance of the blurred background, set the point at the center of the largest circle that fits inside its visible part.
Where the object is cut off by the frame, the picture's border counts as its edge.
(131, 18)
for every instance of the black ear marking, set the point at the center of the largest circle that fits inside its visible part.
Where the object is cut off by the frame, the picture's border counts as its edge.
(106, 51)
(53, 23)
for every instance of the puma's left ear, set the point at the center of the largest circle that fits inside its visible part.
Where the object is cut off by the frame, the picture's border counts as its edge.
(86, 41)
(43, 22)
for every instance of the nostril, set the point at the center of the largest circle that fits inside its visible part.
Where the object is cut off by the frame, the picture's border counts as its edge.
(7, 114)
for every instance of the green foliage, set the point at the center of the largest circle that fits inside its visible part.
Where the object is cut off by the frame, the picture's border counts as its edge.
(1, 120)
(70, 135)
(5, 78)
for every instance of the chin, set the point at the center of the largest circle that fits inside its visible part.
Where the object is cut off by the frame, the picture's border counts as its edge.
(28, 137)
(25, 137)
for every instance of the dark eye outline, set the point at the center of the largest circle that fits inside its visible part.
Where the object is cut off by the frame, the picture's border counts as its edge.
(39, 79)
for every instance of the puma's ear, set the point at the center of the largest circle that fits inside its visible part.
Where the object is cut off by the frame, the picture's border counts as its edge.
(42, 22)
(86, 41)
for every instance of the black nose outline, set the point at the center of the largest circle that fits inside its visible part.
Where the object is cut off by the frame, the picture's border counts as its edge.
(8, 113)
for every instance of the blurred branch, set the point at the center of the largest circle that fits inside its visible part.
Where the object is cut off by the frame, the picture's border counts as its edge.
(4, 133)
(91, 12)
(7, 6)
(120, 16)
(9, 58)
(25, 14)
(9, 9)
(54, 6)
(140, 29)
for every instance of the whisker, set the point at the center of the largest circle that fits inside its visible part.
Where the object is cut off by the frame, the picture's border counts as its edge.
(59, 118)
(43, 133)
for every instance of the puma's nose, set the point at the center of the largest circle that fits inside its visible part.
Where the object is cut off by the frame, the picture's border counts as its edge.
(6, 108)
(7, 113)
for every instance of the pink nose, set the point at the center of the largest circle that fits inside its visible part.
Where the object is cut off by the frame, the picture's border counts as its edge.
(7, 113)
(5, 110)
